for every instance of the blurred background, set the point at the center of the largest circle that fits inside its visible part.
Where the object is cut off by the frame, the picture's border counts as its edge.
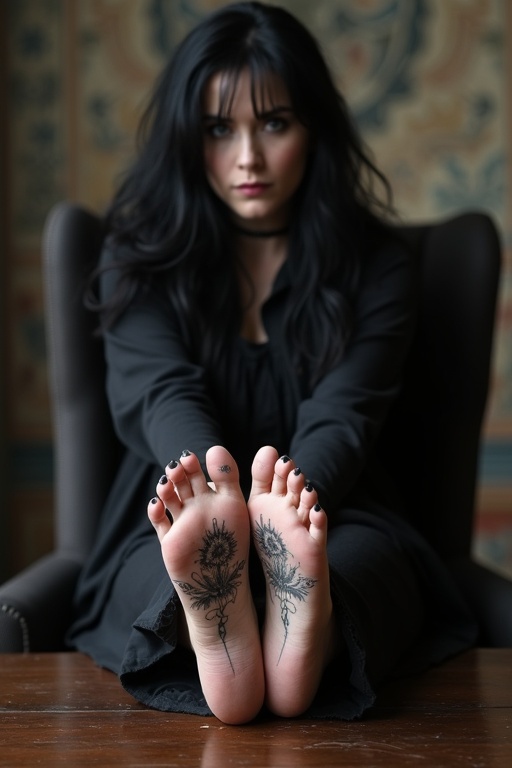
(430, 82)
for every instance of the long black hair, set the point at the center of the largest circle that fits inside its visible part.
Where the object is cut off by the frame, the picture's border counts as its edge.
(166, 223)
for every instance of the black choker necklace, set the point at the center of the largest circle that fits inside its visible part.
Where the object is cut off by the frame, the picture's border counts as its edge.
(262, 232)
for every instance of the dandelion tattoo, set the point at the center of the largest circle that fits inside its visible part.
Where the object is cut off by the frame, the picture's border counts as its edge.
(287, 585)
(217, 583)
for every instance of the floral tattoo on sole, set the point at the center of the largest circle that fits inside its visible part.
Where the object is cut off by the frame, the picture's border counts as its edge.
(216, 585)
(287, 583)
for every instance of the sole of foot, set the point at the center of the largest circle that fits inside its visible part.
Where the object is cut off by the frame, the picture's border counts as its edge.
(204, 536)
(289, 529)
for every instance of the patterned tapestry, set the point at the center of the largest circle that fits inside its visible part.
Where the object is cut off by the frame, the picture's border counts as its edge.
(429, 83)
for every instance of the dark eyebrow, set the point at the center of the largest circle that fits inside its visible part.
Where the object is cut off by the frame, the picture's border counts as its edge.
(268, 113)
(261, 115)
(217, 118)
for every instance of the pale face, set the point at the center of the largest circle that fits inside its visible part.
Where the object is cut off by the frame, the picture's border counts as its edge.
(254, 164)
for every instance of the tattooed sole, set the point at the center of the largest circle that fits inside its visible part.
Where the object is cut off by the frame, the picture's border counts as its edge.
(285, 581)
(216, 584)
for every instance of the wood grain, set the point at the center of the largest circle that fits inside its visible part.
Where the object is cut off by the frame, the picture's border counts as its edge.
(60, 709)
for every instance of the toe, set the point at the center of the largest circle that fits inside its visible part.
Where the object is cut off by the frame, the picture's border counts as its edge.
(158, 517)
(166, 493)
(318, 525)
(263, 470)
(282, 469)
(223, 470)
(194, 472)
(295, 485)
(308, 499)
(176, 473)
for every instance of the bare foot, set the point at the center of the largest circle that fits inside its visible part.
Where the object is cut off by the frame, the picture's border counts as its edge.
(290, 533)
(205, 550)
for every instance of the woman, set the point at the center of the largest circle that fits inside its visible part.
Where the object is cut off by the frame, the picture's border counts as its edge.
(256, 303)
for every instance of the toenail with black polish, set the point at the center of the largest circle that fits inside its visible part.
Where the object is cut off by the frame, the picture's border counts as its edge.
(154, 500)
(185, 453)
(172, 464)
(285, 459)
(317, 508)
(163, 480)
(309, 486)
(297, 471)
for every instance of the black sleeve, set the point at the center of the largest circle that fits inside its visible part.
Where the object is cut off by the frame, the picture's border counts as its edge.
(338, 425)
(157, 394)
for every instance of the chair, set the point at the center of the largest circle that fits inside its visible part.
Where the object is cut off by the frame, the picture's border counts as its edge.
(432, 439)
(36, 604)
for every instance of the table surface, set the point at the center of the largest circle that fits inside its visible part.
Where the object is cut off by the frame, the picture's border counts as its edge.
(60, 709)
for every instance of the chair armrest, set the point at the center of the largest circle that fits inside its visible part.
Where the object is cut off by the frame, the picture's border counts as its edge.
(35, 605)
(489, 595)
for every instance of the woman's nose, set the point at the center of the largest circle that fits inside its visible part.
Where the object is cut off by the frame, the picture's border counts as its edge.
(249, 152)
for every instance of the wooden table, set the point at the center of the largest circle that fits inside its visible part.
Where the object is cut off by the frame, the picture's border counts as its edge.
(60, 709)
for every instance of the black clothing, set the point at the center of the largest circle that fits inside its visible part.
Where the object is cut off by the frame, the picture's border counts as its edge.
(396, 605)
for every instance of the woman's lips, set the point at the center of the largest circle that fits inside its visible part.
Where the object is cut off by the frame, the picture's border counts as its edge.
(252, 190)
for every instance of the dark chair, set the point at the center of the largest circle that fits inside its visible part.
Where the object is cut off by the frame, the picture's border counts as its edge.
(35, 606)
(433, 434)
